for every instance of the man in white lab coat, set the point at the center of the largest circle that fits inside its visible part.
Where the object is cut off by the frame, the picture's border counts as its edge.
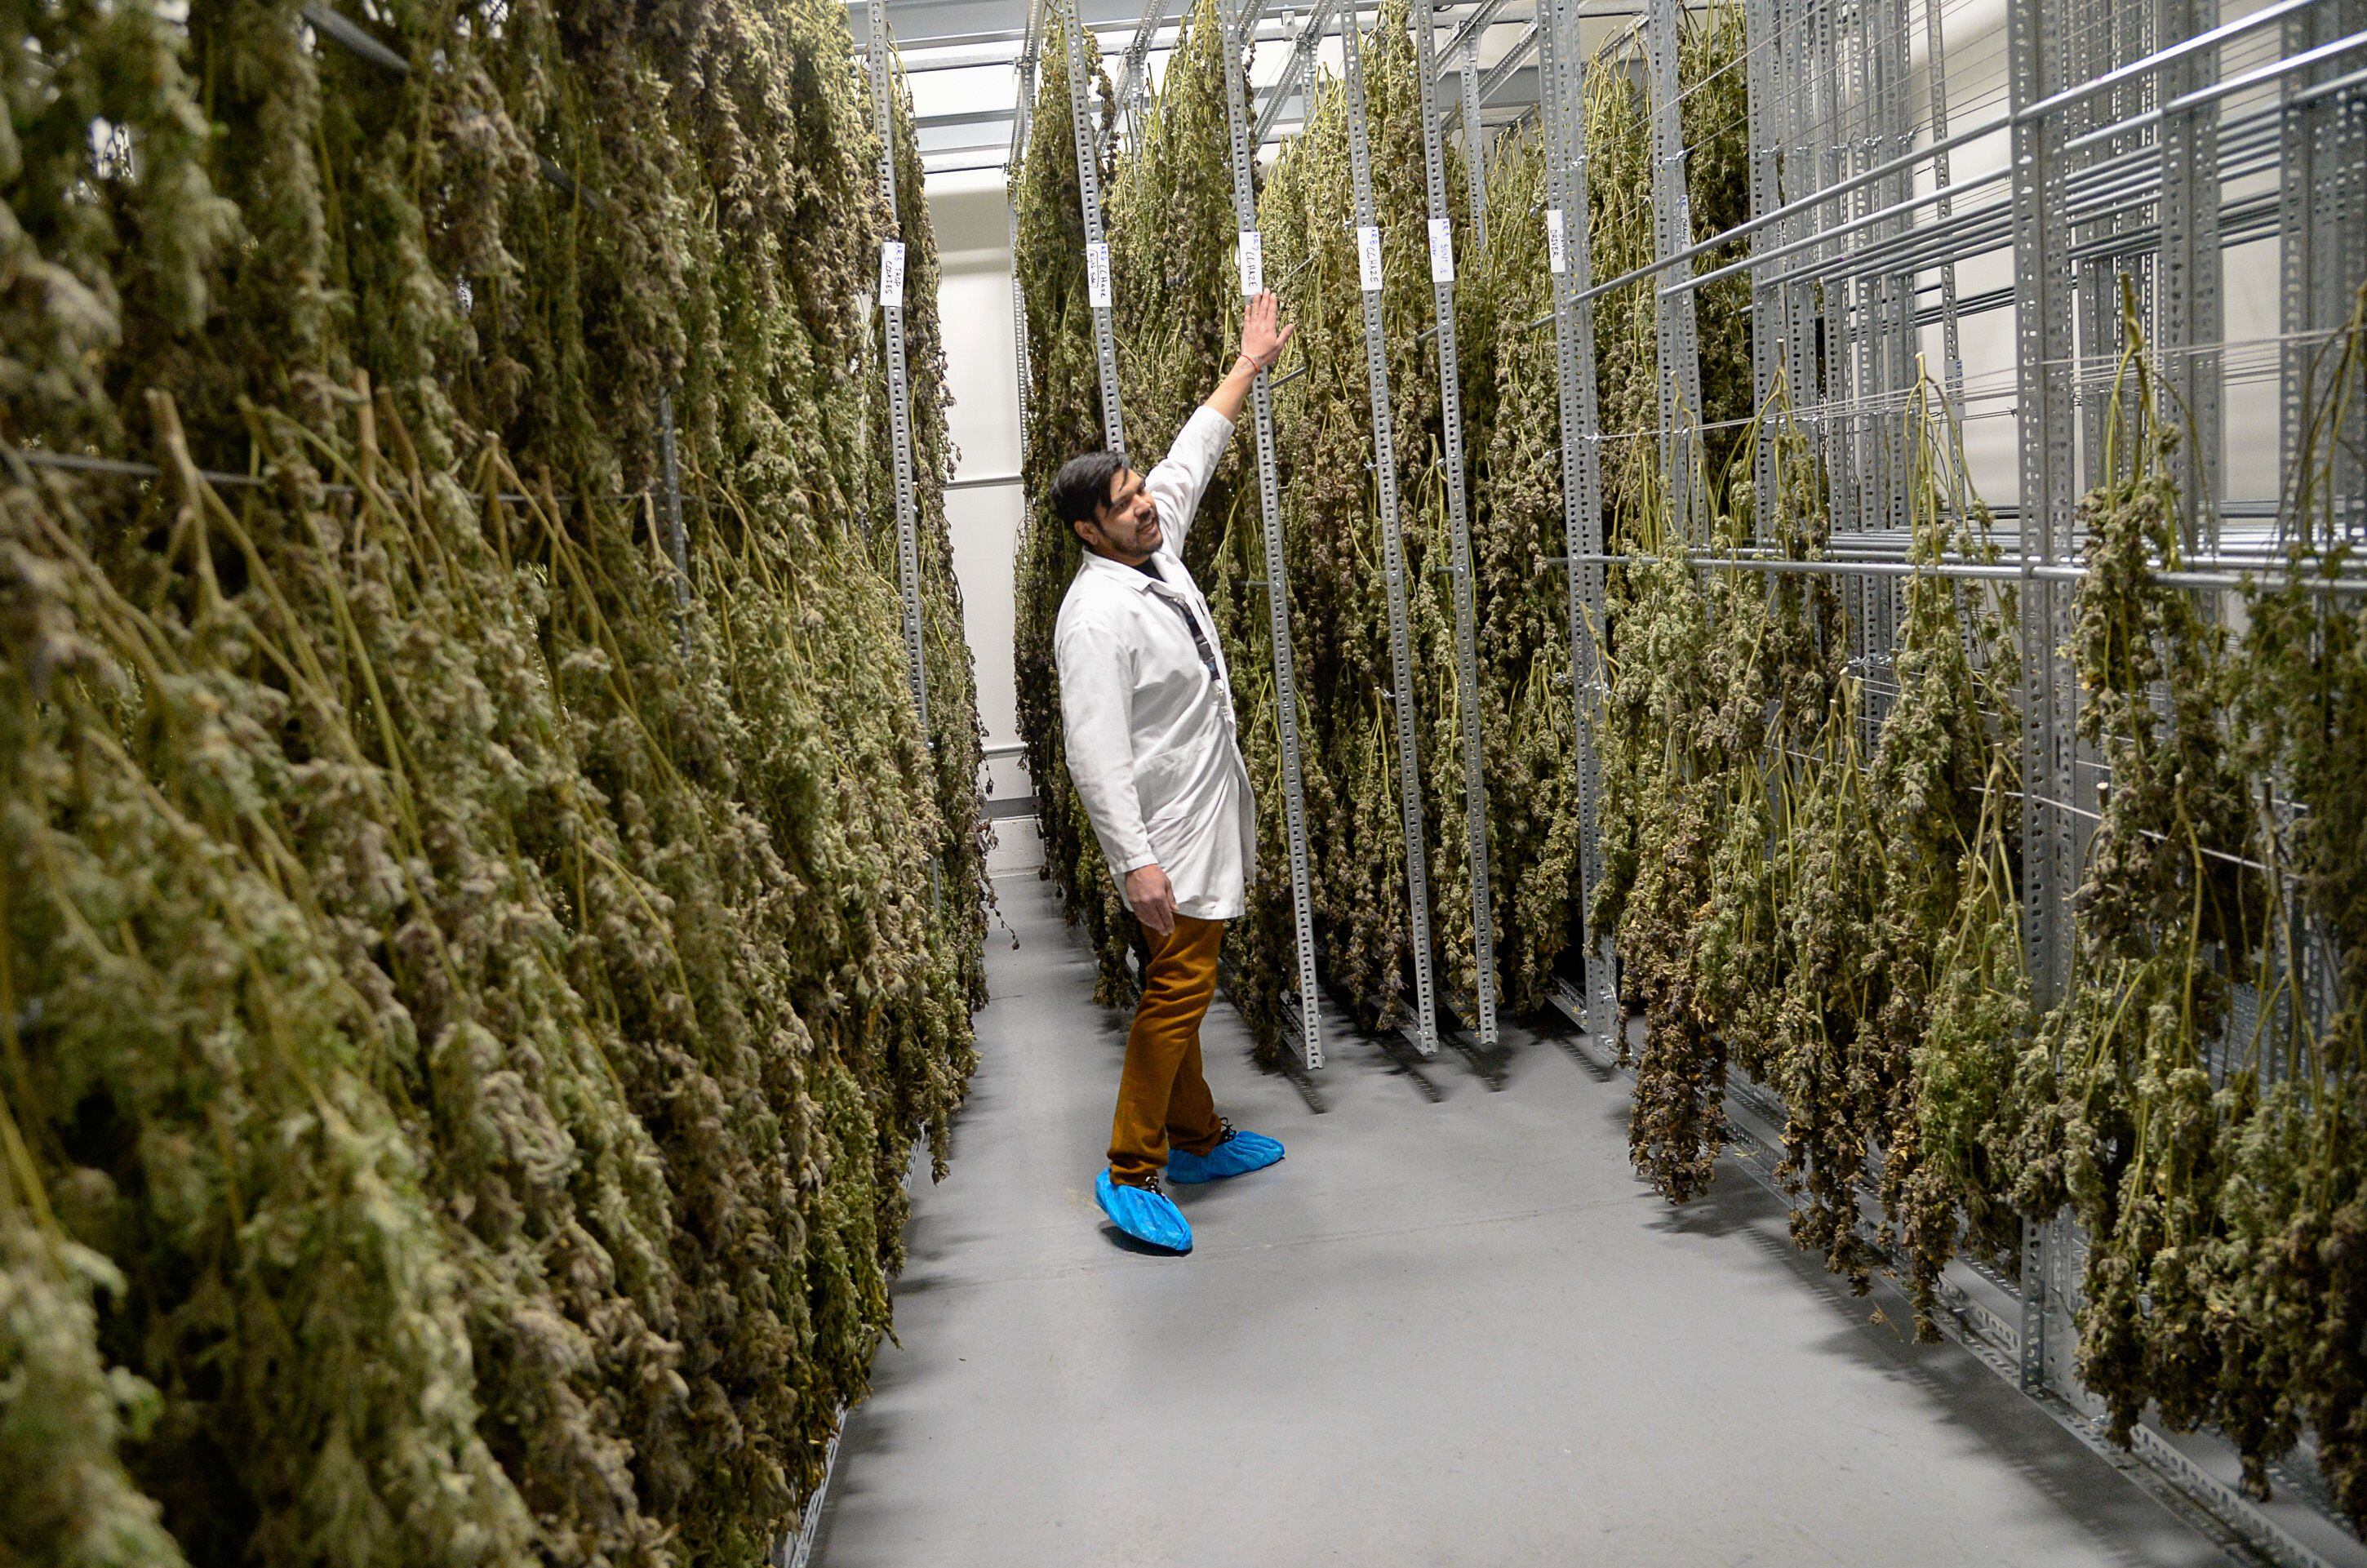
(1147, 707)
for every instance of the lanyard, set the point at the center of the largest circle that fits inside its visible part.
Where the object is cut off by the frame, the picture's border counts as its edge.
(1191, 622)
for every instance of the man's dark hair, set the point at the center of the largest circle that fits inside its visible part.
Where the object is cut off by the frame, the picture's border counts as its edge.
(1082, 485)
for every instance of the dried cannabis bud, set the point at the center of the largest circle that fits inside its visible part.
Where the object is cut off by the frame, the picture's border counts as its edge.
(467, 1013)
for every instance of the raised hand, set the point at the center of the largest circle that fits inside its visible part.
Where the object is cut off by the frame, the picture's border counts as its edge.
(1263, 333)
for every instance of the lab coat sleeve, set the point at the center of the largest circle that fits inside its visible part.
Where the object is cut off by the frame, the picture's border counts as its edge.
(1096, 711)
(1181, 478)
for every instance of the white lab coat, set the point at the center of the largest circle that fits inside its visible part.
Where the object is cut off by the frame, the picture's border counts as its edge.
(1150, 736)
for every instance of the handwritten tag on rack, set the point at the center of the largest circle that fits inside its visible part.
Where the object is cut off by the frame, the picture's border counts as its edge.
(1097, 275)
(1556, 241)
(1253, 263)
(891, 274)
(1368, 255)
(1442, 250)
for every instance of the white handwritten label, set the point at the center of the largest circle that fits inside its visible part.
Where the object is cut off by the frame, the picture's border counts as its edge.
(891, 274)
(1368, 255)
(1252, 259)
(1097, 275)
(1441, 251)
(1556, 241)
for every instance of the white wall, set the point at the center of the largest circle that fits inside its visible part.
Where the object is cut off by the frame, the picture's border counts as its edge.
(972, 218)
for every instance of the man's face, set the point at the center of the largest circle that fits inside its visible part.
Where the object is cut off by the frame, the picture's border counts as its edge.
(1127, 527)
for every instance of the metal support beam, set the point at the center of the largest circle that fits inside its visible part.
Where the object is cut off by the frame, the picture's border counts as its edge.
(2322, 243)
(1302, 54)
(1423, 1030)
(1285, 674)
(677, 542)
(899, 392)
(2034, 58)
(1672, 230)
(1475, 143)
(1458, 514)
(1570, 265)
(1505, 69)
(1471, 29)
(1761, 49)
(1138, 56)
(1951, 342)
(1089, 197)
(2191, 317)
(1022, 117)
(1830, 190)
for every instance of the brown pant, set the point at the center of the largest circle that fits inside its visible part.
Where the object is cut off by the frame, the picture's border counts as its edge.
(1162, 1098)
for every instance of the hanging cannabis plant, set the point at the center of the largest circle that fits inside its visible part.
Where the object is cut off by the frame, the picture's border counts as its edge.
(1171, 232)
(468, 1009)
(1937, 1052)
(1526, 718)
(2166, 918)
(1307, 213)
(1712, 112)
(2294, 1198)
(1722, 689)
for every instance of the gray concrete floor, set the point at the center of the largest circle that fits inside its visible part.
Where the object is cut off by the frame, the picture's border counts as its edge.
(1440, 1333)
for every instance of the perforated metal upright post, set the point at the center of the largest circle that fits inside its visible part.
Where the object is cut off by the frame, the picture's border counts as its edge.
(1898, 335)
(1862, 124)
(1799, 174)
(1898, 340)
(1133, 72)
(1019, 320)
(1424, 1031)
(1458, 519)
(1571, 265)
(1761, 52)
(1827, 133)
(1672, 230)
(2191, 321)
(1951, 342)
(2095, 301)
(1021, 120)
(1855, 100)
(899, 392)
(1285, 675)
(2322, 241)
(1294, 69)
(1894, 290)
(1474, 139)
(2043, 353)
(677, 542)
(1089, 197)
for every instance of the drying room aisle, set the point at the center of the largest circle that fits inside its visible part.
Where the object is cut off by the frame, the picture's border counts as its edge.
(1440, 1333)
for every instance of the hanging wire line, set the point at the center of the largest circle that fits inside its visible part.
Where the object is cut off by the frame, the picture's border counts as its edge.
(124, 468)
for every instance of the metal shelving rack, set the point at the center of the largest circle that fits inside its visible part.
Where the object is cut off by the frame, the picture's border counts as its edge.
(2127, 152)
(2092, 140)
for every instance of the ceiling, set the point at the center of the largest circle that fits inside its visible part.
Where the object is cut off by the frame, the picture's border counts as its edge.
(962, 57)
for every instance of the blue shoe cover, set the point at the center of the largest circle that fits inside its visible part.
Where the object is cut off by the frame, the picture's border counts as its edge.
(1145, 1213)
(1239, 1153)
